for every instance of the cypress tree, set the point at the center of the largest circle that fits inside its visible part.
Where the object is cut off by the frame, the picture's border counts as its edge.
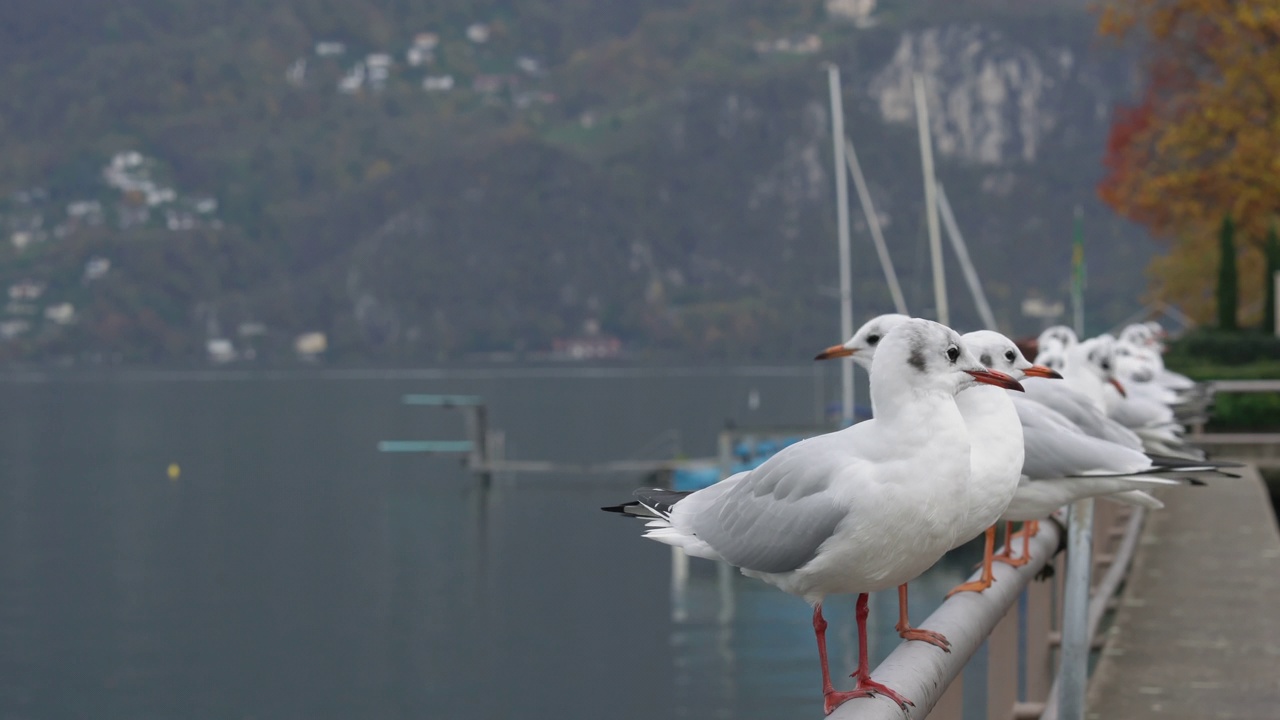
(1228, 293)
(1269, 283)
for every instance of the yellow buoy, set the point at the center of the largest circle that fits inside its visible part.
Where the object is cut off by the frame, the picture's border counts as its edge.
(174, 471)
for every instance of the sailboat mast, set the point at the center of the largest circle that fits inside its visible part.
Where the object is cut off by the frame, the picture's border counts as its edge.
(873, 223)
(931, 203)
(966, 263)
(842, 225)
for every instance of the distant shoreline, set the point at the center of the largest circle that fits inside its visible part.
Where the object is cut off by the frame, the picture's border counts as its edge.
(452, 372)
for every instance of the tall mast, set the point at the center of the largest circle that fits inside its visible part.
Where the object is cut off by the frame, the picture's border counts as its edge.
(873, 222)
(1078, 272)
(931, 203)
(842, 225)
(966, 264)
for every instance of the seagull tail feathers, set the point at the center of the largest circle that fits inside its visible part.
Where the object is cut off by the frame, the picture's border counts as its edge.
(650, 503)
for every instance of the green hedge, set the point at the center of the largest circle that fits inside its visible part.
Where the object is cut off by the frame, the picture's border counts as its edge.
(1215, 355)
(1245, 412)
(1224, 348)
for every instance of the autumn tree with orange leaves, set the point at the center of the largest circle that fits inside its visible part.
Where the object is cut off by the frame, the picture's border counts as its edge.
(1203, 143)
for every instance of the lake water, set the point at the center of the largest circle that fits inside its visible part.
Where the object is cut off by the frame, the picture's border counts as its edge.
(292, 571)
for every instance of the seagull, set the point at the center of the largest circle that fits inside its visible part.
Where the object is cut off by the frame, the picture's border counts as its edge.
(858, 510)
(1147, 336)
(995, 434)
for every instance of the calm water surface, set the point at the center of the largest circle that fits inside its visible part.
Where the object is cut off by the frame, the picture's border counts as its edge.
(292, 571)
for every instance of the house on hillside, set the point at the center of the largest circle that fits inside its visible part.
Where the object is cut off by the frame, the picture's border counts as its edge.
(310, 346)
(87, 211)
(96, 268)
(592, 344)
(26, 290)
(160, 195)
(528, 65)
(296, 74)
(601, 347)
(800, 45)
(856, 11)
(378, 61)
(330, 48)
(353, 80)
(437, 83)
(416, 56)
(61, 314)
(478, 33)
(220, 351)
(10, 329)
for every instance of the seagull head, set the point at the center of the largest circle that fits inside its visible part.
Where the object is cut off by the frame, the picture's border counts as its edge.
(1138, 334)
(1135, 363)
(1057, 336)
(925, 355)
(1099, 359)
(997, 352)
(1054, 358)
(862, 346)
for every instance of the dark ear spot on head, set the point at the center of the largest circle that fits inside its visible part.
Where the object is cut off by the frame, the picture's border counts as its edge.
(916, 360)
(985, 359)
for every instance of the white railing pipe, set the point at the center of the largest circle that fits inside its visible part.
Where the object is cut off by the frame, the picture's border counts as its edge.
(922, 672)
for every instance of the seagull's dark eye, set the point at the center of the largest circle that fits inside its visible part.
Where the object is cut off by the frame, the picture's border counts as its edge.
(953, 353)
(873, 339)
(1008, 355)
(1106, 365)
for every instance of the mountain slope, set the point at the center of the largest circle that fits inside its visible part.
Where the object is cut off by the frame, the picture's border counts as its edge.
(663, 174)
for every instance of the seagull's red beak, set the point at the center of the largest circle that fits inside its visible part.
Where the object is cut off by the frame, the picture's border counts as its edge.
(835, 351)
(997, 378)
(1042, 371)
(1119, 388)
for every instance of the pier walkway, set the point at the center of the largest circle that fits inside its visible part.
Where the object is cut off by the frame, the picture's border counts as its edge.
(1197, 631)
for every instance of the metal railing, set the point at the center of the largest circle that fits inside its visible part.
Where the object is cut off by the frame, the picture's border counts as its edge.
(1019, 620)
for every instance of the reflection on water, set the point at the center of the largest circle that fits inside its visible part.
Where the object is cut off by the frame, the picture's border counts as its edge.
(293, 572)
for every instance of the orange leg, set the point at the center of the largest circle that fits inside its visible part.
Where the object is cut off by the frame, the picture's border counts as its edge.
(1029, 531)
(1006, 553)
(985, 580)
(865, 687)
(906, 632)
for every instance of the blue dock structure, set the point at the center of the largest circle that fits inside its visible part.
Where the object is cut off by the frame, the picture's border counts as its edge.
(484, 452)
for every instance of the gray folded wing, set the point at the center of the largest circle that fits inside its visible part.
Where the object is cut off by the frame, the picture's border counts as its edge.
(1056, 454)
(774, 519)
(1079, 410)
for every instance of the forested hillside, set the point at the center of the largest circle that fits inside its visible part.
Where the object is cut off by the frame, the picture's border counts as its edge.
(431, 181)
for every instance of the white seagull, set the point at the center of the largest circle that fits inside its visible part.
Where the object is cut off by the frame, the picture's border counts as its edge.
(995, 434)
(859, 510)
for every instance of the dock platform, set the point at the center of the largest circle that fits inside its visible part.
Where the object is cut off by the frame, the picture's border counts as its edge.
(1197, 631)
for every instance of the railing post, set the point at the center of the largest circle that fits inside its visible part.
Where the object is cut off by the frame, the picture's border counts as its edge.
(1074, 675)
(1037, 654)
(1002, 667)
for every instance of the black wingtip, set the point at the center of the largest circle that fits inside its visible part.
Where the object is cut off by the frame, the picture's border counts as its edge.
(660, 500)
